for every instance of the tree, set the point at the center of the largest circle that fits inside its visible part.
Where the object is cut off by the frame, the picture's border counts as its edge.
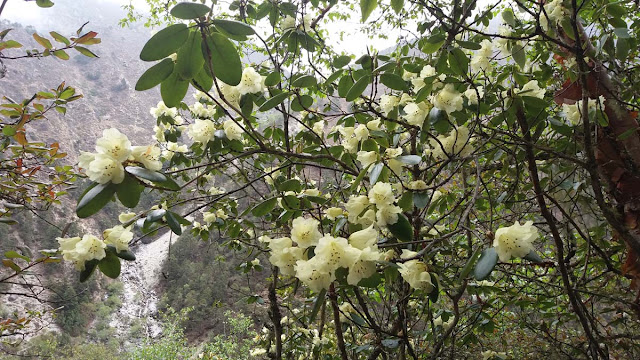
(31, 175)
(386, 188)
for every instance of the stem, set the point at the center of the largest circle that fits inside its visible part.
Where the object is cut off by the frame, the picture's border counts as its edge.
(336, 320)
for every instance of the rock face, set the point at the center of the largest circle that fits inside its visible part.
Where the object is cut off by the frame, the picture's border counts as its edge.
(140, 279)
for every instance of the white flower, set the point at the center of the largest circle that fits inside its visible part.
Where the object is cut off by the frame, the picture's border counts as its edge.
(118, 236)
(387, 215)
(163, 110)
(68, 250)
(148, 156)
(481, 58)
(305, 232)
(457, 142)
(374, 125)
(126, 217)
(257, 352)
(313, 274)
(417, 185)
(416, 113)
(364, 264)
(573, 113)
(284, 255)
(448, 99)
(202, 130)
(381, 194)
(114, 144)
(104, 168)
(472, 95)
(515, 240)
(407, 76)
(388, 102)
(361, 132)
(415, 273)
(306, 21)
(490, 354)
(251, 82)
(232, 130)
(288, 22)
(333, 212)
(355, 205)
(335, 253)
(531, 89)
(364, 238)
(391, 153)
(231, 94)
(367, 158)
(90, 247)
(318, 128)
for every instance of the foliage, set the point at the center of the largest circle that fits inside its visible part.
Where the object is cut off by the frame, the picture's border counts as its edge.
(436, 152)
(172, 344)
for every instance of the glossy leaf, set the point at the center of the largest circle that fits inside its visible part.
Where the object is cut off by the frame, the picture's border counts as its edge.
(165, 42)
(486, 263)
(190, 59)
(188, 11)
(224, 58)
(155, 75)
(173, 89)
(95, 199)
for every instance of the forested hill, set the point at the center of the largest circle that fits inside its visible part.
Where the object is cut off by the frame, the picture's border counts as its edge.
(107, 83)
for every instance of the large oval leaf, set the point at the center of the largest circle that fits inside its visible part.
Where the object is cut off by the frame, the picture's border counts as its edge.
(155, 75)
(358, 88)
(189, 11)
(173, 89)
(190, 59)
(402, 229)
(234, 27)
(224, 58)
(165, 42)
(274, 101)
(146, 174)
(110, 265)
(202, 81)
(129, 191)
(264, 207)
(486, 263)
(95, 199)
(393, 81)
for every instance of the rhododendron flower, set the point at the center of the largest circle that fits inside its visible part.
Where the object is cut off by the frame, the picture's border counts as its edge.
(232, 130)
(387, 215)
(251, 82)
(417, 185)
(515, 240)
(355, 205)
(231, 94)
(481, 58)
(388, 102)
(448, 99)
(374, 125)
(415, 273)
(472, 94)
(531, 89)
(311, 273)
(118, 236)
(367, 158)
(456, 143)
(364, 238)
(202, 130)
(103, 168)
(114, 144)
(333, 212)
(416, 113)
(305, 232)
(284, 255)
(381, 194)
(288, 22)
(147, 155)
(335, 252)
(364, 264)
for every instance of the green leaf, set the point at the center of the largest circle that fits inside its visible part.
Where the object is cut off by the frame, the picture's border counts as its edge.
(203, 80)
(458, 61)
(264, 207)
(274, 101)
(8, 221)
(341, 61)
(344, 85)
(402, 229)
(234, 27)
(110, 265)
(358, 88)
(272, 79)
(410, 159)
(519, 55)
(155, 215)
(304, 81)
(433, 44)
(14, 254)
(393, 81)
(300, 103)
(397, 5)
(173, 89)
(188, 11)
(406, 201)
(367, 7)
(8, 130)
(627, 134)
(155, 75)
(190, 59)
(469, 45)
(86, 52)
(173, 220)
(508, 17)
(421, 199)
(61, 54)
(44, 3)
(42, 41)
(486, 263)
(129, 191)
(375, 173)
(165, 42)
(317, 305)
(533, 257)
(469, 265)
(95, 199)
(59, 38)
(146, 174)
(89, 267)
(616, 10)
(224, 58)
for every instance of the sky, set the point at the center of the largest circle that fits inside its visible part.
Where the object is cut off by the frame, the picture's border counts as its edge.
(28, 13)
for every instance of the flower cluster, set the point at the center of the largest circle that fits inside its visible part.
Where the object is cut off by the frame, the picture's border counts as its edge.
(89, 247)
(358, 254)
(415, 272)
(515, 240)
(456, 143)
(113, 151)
